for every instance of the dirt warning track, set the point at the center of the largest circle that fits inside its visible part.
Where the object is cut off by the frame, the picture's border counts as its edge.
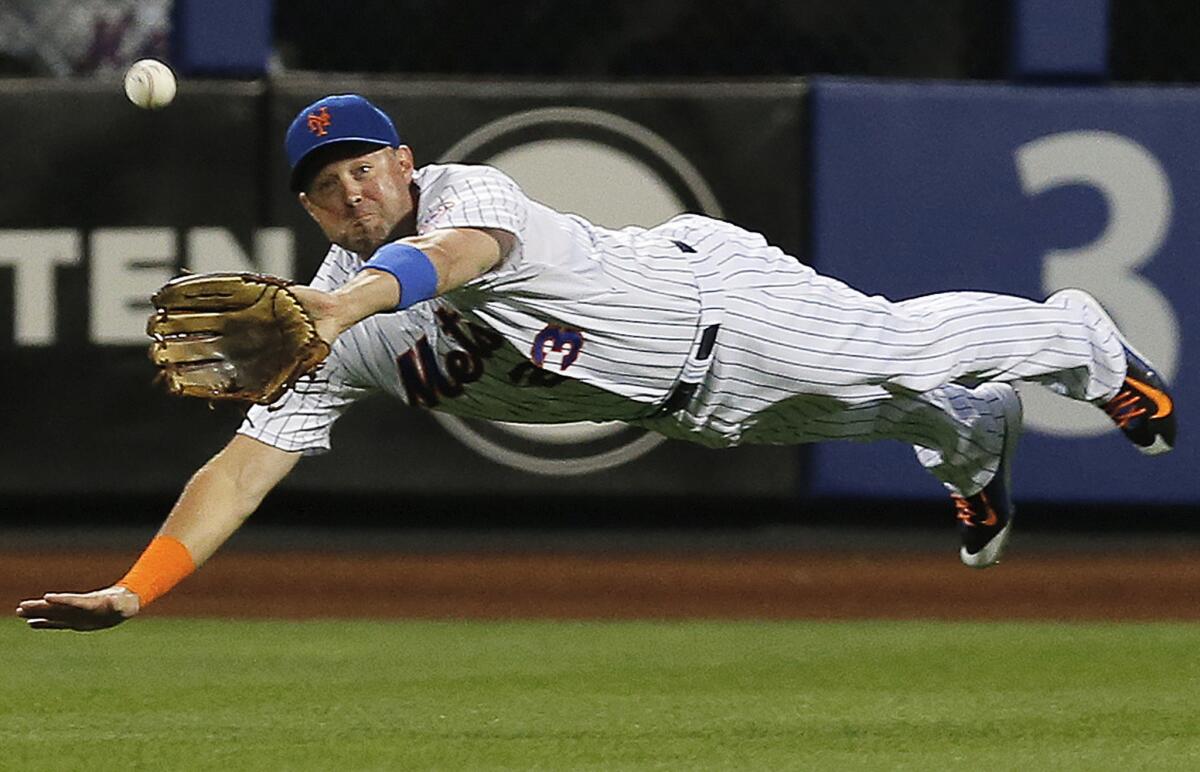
(604, 585)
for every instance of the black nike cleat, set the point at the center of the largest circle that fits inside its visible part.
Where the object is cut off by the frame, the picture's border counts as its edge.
(985, 519)
(1143, 409)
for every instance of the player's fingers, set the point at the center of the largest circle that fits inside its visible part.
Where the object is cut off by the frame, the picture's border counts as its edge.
(72, 618)
(76, 599)
(46, 624)
(71, 610)
(64, 597)
(51, 612)
(32, 608)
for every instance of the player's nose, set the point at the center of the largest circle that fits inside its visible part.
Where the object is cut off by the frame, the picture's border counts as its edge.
(352, 193)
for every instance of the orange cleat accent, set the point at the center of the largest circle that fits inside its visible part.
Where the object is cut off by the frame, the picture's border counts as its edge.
(1143, 409)
(985, 519)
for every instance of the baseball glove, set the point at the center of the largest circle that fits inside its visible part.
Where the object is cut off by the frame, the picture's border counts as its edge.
(239, 336)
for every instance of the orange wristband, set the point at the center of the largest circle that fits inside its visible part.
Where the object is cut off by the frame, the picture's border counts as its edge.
(164, 564)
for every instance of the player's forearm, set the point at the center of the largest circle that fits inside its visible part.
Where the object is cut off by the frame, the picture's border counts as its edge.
(224, 492)
(461, 255)
(416, 268)
(214, 503)
(406, 272)
(371, 292)
(207, 513)
(212, 506)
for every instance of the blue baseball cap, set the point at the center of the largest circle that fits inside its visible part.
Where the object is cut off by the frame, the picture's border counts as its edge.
(333, 119)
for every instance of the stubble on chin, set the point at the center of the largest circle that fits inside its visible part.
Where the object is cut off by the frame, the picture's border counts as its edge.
(359, 240)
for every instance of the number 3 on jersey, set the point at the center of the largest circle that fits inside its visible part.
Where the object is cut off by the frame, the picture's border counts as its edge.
(556, 340)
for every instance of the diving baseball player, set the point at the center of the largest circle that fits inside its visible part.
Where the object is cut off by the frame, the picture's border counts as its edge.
(448, 289)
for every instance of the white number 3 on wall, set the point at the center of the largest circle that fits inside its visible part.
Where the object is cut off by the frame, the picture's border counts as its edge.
(1139, 200)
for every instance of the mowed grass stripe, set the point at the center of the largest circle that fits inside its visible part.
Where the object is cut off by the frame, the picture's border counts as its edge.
(186, 694)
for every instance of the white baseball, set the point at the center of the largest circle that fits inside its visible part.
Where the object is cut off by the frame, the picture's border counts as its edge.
(150, 84)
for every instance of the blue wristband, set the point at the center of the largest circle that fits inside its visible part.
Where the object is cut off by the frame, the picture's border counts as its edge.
(411, 267)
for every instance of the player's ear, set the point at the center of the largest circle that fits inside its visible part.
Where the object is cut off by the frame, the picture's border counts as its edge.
(308, 205)
(404, 160)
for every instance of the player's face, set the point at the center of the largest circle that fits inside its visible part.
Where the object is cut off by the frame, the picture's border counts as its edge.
(360, 201)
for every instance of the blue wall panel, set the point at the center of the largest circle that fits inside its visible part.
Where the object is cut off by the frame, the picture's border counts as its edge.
(934, 187)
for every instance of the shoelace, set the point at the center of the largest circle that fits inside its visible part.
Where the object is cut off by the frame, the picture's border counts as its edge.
(1125, 407)
(963, 510)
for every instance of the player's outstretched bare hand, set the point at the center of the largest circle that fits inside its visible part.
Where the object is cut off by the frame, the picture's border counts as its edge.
(80, 610)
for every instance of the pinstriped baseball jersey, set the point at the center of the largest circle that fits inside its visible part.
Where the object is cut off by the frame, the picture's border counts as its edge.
(578, 323)
(696, 329)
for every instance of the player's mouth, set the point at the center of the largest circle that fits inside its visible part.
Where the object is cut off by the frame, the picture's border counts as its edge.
(362, 223)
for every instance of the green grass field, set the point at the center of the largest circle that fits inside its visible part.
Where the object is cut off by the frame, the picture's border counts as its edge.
(174, 694)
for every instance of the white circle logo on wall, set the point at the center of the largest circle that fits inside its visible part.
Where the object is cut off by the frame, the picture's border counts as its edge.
(630, 176)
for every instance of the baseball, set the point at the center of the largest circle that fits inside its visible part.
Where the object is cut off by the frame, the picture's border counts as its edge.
(150, 84)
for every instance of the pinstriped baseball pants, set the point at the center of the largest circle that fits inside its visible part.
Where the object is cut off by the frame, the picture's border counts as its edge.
(804, 358)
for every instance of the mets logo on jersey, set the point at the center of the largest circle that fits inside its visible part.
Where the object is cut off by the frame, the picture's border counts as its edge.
(646, 180)
(318, 122)
(560, 341)
(426, 381)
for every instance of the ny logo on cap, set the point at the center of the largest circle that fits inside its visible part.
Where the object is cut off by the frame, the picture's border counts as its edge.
(319, 121)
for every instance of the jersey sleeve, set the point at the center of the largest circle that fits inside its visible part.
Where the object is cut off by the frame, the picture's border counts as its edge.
(474, 197)
(338, 267)
(303, 419)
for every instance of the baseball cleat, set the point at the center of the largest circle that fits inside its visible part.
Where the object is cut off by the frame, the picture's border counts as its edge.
(1143, 409)
(985, 519)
